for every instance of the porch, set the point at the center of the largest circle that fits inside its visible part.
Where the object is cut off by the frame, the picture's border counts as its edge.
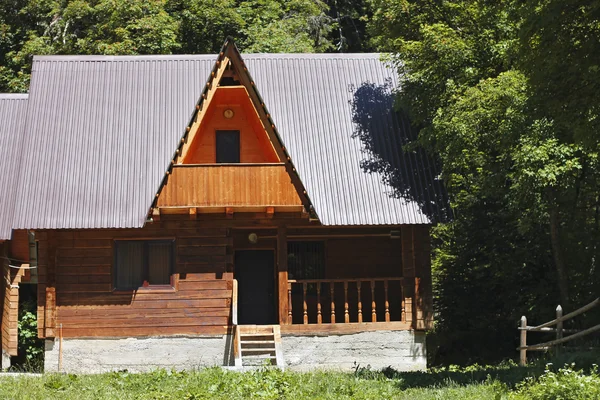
(318, 336)
(336, 295)
(337, 306)
(337, 282)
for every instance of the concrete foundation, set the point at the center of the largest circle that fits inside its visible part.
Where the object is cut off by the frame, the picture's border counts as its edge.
(4, 361)
(402, 350)
(91, 356)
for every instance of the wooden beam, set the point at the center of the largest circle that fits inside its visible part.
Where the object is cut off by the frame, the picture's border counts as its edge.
(282, 275)
(270, 212)
(185, 210)
(50, 317)
(193, 213)
(212, 87)
(50, 294)
(229, 212)
(343, 329)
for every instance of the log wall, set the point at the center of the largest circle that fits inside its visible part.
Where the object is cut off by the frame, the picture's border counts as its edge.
(255, 146)
(11, 277)
(363, 257)
(80, 283)
(76, 277)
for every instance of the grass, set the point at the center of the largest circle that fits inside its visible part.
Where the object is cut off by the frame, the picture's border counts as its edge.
(215, 383)
(506, 381)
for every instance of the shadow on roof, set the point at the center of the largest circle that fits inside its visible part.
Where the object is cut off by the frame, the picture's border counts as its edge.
(385, 135)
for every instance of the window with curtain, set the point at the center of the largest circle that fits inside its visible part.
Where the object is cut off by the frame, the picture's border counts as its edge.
(143, 263)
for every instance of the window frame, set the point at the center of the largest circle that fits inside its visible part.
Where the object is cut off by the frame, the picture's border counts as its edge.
(173, 284)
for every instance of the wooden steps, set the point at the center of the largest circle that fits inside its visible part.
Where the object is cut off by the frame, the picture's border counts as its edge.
(258, 346)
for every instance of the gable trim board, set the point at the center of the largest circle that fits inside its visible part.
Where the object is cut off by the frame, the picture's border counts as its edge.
(103, 131)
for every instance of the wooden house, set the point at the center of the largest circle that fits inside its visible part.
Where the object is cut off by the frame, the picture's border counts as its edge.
(182, 211)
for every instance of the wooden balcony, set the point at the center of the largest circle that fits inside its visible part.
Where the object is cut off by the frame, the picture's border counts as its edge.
(236, 186)
(345, 305)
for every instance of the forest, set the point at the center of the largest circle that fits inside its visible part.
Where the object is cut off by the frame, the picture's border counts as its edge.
(504, 95)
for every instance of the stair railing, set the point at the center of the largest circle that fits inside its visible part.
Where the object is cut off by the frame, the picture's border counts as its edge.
(237, 344)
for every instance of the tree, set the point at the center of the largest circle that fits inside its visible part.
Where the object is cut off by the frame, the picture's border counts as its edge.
(80, 27)
(29, 27)
(274, 26)
(489, 103)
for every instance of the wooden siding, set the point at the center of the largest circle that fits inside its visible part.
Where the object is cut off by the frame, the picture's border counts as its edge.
(11, 277)
(76, 268)
(362, 257)
(229, 186)
(87, 306)
(255, 146)
(19, 245)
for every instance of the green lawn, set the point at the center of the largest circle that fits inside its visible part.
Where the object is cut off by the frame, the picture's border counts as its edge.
(500, 382)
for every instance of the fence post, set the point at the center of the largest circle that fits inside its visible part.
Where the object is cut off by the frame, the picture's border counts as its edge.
(559, 327)
(523, 351)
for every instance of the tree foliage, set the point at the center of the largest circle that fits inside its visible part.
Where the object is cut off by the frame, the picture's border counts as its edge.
(505, 94)
(30, 27)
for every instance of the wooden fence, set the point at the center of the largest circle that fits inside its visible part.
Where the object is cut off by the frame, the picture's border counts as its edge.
(559, 330)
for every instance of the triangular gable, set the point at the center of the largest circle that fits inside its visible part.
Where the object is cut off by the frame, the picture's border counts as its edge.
(230, 110)
(229, 65)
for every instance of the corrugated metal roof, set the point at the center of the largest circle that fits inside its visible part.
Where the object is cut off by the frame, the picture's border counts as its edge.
(13, 109)
(102, 131)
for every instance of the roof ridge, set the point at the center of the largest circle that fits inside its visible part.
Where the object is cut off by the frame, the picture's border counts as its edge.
(183, 57)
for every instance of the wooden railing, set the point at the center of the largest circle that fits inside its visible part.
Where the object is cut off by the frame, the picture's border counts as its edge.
(319, 301)
(546, 327)
(228, 185)
(237, 344)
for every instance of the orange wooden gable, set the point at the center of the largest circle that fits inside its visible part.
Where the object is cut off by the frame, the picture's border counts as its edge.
(231, 109)
(264, 179)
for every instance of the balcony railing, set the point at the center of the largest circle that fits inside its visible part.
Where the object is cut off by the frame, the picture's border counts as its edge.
(229, 185)
(335, 301)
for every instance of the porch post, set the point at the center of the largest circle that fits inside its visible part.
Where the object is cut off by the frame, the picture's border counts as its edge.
(422, 252)
(416, 270)
(50, 294)
(409, 274)
(282, 268)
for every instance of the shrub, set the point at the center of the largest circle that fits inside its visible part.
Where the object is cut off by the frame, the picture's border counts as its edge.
(565, 384)
(31, 349)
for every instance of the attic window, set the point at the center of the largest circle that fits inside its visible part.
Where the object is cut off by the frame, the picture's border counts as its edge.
(229, 78)
(229, 81)
(228, 147)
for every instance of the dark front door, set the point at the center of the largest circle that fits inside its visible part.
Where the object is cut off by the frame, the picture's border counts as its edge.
(255, 272)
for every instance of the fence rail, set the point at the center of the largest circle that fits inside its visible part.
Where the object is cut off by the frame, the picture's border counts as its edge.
(560, 331)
